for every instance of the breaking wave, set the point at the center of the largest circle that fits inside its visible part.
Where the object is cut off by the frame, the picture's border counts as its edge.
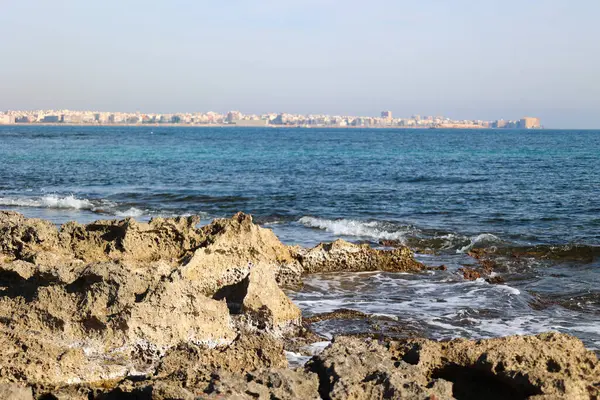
(484, 239)
(368, 229)
(131, 212)
(50, 201)
(97, 206)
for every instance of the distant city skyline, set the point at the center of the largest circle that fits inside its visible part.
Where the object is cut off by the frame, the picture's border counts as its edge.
(386, 119)
(465, 59)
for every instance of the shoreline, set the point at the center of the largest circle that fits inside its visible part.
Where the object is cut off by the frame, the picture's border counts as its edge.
(95, 293)
(274, 126)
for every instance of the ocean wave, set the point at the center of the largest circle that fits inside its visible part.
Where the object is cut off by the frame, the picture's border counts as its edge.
(50, 201)
(348, 227)
(131, 212)
(480, 240)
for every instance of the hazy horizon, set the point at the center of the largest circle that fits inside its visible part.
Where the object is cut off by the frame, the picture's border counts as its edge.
(464, 60)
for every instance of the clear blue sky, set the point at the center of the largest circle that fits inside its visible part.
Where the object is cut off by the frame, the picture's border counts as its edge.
(482, 59)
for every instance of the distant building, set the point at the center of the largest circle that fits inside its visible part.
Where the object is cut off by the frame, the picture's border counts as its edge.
(281, 119)
(386, 114)
(250, 122)
(499, 124)
(233, 116)
(529, 123)
(6, 119)
(51, 119)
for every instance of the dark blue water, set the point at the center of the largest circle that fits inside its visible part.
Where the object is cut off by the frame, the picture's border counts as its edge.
(439, 191)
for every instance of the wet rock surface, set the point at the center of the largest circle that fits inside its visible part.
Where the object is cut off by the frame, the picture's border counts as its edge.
(170, 310)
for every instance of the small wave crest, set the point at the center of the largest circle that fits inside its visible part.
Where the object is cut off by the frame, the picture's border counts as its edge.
(50, 201)
(98, 206)
(131, 212)
(480, 240)
(348, 227)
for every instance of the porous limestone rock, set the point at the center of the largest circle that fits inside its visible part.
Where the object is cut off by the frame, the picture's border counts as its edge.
(546, 366)
(265, 302)
(193, 366)
(21, 238)
(348, 257)
(232, 247)
(31, 239)
(266, 384)
(14, 392)
(166, 239)
(168, 310)
(112, 297)
(352, 368)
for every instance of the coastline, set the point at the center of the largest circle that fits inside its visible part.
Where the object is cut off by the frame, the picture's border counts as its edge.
(92, 301)
(474, 127)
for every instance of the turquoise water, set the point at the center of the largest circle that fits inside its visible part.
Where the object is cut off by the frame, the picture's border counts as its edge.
(439, 191)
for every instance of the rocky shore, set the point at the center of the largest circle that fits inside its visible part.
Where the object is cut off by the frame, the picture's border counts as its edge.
(170, 310)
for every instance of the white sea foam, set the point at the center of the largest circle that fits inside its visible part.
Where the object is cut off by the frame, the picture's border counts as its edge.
(479, 239)
(132, 212)
(49, 201)
(349, 227)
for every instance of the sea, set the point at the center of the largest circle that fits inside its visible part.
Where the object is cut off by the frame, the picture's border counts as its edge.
(528, 200)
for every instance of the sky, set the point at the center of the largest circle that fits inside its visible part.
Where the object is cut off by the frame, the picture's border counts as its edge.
(483, 59)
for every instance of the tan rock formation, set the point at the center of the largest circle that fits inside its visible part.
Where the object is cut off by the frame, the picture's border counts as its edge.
(355, 369)
(112, 297)
(161, 239)
(232, 247)
(266, 384)
(547, 366)
(22, 237)
(168, 310)
(193, 366)
(344, 256)
(265, 302)
(14, 392)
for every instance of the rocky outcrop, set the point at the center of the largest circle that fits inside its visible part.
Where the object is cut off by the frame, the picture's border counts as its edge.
(358, 369)
(344, 256)
(219, 254)
(547, 366)
(166, 309)
(96, 302)
(266, 384)
(31, 239)
(234, 246)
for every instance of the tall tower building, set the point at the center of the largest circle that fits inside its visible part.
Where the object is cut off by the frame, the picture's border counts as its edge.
(386, 114)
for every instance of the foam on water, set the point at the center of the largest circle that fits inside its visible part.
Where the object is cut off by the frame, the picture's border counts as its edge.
(131, 212)
(49, 201)
(442, 305)
(349, 227)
